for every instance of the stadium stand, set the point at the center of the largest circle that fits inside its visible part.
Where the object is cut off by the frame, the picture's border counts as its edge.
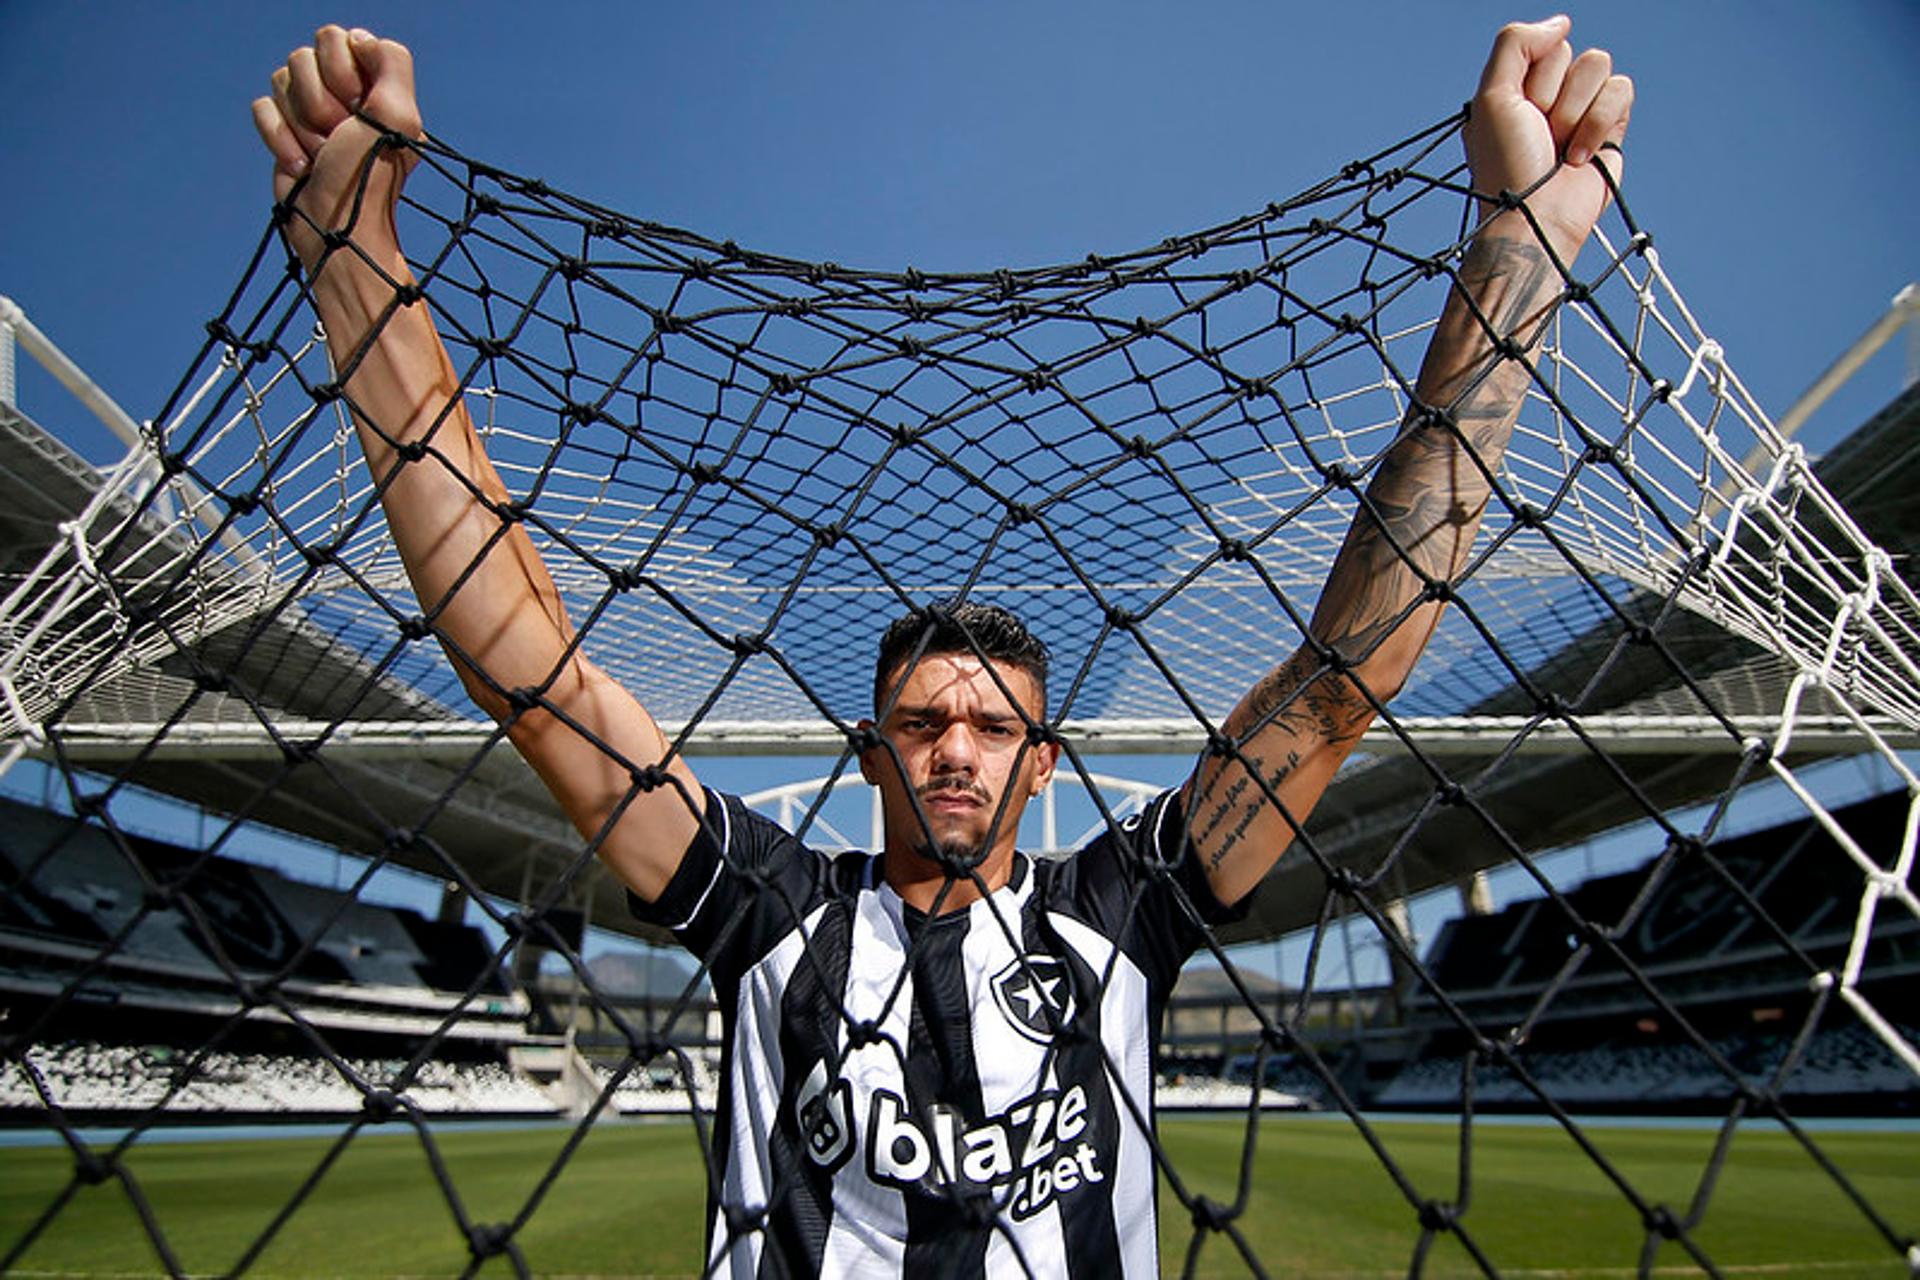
(381, 980)
(1694, 935)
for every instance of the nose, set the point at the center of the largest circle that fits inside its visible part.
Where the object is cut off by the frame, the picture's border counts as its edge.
(954, 749)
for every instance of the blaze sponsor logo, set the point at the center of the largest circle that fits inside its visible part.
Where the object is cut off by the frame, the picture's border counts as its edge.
(1024, 1157)
(1035, 996)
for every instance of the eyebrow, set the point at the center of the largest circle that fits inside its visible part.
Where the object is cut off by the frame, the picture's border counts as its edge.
(928, 709)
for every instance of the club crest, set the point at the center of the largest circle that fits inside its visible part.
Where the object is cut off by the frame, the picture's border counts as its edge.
(1035, 995)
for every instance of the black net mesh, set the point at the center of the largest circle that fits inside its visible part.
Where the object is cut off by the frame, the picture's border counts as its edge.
(738, 467)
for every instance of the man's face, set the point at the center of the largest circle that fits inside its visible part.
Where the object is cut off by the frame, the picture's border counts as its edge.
(963, 747)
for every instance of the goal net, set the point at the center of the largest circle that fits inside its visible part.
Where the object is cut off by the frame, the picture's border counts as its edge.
(739, 466)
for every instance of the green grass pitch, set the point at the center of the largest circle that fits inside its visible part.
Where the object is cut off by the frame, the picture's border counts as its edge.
(630, 1202)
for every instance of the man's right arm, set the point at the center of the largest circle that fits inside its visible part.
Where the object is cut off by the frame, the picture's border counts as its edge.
(478, 577)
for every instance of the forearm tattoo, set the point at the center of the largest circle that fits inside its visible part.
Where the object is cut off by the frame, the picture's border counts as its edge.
(1422, 509)
(1296, 706)
(1425, 501)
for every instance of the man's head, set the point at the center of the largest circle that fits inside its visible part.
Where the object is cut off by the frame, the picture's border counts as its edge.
(955, 689)
(985, 630)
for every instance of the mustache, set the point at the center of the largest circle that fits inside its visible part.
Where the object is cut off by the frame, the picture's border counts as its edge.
(962, 785)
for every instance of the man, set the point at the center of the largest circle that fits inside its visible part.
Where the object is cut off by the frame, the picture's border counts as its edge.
(938, 1058)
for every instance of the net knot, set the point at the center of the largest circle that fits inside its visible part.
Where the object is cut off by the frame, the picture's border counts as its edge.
(651, 778)
(1437, 1215)
(320, 554)
(1119, 619)
(827, 535)
(863, 1033)
(913, 279)
(781, 384)
(298, 753)
(1337, 475)
(1578, 292)
(1686, 846)
(1256, 388)
(625, 578)
(407, 294)
(1037, 379)
(91, 1169)
(1598, 452)
(1040, 735)
(415, 628)
(492, 348)
(742, 1221)
(488, 1239)
(746, 644)
(1020, 513)
(211, 681)
(1439, 590)
(1345, 881)
(1450, 794)
(1234, 551)
(1660, 1220)
(1210, 1215)
(379, 1105)
(523, 698)
(172, 463)
(411, 451)
(324, 392)
(864, 739)
(703, 473)
(1219, 744)
(245, 504)
(1140, 447)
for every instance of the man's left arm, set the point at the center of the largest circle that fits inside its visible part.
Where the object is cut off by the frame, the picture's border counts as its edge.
(1537, 105)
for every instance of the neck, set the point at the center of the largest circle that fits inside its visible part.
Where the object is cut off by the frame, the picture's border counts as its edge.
(928, 887)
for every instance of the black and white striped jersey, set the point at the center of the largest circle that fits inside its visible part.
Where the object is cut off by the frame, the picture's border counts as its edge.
(962, 1095)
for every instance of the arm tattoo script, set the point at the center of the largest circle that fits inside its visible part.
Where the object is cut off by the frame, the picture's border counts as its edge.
(1288, 712)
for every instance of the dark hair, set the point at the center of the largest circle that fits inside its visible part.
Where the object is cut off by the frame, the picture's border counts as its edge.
(965, 627)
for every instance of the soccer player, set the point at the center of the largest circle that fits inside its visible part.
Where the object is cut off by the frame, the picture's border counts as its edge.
(938, 1058)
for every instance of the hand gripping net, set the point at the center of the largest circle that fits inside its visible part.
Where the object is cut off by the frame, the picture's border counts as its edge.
(738, 466)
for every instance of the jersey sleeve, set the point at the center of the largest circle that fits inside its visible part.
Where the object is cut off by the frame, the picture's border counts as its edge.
(743, 884)
(1141, 883)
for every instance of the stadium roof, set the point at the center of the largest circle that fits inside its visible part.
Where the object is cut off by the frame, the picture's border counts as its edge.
(397, 752)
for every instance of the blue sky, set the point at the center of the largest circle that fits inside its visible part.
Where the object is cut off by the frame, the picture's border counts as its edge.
(1772, 148)
(1772, 152)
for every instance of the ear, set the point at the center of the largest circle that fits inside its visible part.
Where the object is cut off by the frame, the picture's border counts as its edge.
(1046, 757)
(866, 757)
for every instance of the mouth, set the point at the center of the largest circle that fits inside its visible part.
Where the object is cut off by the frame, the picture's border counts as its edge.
(953, 796)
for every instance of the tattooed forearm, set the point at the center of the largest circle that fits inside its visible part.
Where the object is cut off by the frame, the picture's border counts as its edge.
(1428, 494)
(1415, 527)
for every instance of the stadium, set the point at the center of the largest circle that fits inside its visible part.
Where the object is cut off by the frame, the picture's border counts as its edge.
(303, 972)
